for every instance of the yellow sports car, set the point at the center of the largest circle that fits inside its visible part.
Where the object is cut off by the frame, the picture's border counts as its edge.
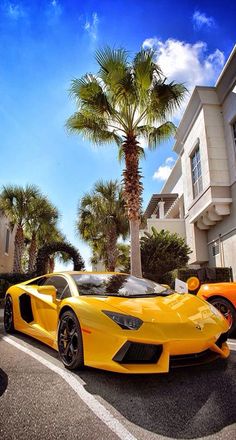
(116, 322)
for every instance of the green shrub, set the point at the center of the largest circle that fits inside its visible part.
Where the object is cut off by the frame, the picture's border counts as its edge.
(8, 279)
(162, 252)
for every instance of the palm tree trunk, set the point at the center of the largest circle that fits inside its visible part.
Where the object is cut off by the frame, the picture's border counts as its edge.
(132, 195)
(135, 255)
(18, 249)
(32, 253)
(111, 249)
(51, 264)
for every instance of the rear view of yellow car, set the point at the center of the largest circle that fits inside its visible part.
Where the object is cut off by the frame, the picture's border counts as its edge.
(116, 322)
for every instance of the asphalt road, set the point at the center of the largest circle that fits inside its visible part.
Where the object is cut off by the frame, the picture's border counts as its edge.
(37, 402)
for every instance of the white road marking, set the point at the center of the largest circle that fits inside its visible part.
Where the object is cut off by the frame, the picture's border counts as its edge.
(77, 385)
(232, 344)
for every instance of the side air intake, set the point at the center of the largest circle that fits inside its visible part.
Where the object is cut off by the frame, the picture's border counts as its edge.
(137, 353)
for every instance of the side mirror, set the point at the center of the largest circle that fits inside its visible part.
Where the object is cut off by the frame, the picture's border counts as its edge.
(48, 290)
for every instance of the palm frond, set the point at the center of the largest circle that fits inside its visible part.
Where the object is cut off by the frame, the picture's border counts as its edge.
(113, 65)
(165, 99)
(145, 69)
(90, 94)
(93, 127)
(155, 135)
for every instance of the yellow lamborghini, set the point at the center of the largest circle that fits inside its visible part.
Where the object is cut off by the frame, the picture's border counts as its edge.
(116, 322)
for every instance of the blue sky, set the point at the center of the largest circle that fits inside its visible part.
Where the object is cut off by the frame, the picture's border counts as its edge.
(46, 43)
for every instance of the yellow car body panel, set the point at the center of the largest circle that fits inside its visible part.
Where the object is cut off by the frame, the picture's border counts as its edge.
(181, 323)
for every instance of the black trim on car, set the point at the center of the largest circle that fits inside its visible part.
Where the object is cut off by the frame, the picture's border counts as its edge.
(138, 353)
(26, 308)
(185, 360)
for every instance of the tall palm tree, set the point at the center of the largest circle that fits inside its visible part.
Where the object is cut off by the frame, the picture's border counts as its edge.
(102, 220)
(42, 217)
(124, 101)
(15, 202)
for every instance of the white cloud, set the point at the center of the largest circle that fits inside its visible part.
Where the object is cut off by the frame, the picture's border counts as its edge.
(187, 63)
(91, 26)
(150, 43)
(14, 10)
(200, 20)
(163, 171)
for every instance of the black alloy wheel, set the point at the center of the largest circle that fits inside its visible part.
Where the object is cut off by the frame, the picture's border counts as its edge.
(70, 343)
(8, 315)
(228, 311)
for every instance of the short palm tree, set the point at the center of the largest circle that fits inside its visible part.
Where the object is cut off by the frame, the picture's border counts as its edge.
(15, 202)
(42, 218)
(124, 101)
(102, 220)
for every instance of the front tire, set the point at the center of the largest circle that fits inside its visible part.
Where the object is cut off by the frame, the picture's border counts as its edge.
(70, 343)
(228, 311)
(8, 316)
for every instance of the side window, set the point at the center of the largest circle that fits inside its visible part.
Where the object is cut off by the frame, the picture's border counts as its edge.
(66, 292)
(63, 290)
(39, 282)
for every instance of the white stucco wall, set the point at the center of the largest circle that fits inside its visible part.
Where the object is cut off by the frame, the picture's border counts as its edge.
(196, 134)
(174, 183)
(6, 260)
(172, 225)
(229, 115)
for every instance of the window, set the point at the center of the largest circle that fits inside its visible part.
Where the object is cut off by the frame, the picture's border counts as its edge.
(215, 249)
(196, 172)
(39, 282)
(7, 241)
(63, 290)
(117, 285)
(234, 134)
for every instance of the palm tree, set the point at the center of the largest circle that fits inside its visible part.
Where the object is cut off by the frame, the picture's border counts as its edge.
(124, 101)
(15, 202)
(102, 220)
(42, 218)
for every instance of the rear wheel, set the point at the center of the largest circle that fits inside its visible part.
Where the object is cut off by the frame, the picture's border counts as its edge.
(8, 315)
(227, 310)
(70, 343)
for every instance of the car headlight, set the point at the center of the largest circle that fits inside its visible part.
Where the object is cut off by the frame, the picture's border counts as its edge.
(215, 311)
(126, 322)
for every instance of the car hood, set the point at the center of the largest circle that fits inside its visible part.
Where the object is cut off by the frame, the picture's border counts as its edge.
(173, 308)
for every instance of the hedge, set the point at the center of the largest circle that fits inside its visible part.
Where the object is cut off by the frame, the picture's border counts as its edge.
(205, 275)
(8, 279)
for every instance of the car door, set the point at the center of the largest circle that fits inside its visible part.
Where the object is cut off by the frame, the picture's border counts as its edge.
(46, 310)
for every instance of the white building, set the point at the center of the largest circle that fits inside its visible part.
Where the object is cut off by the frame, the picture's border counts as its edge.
(203, 180)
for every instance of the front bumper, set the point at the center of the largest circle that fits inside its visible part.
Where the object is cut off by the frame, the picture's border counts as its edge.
(148, 357)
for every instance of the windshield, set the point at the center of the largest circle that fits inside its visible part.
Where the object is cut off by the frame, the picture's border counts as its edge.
(117, 285)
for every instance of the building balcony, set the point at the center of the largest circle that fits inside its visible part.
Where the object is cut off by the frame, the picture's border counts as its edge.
(210, 207)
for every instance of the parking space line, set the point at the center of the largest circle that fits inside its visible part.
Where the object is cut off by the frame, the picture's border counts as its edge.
(232, 344)
(78, 386)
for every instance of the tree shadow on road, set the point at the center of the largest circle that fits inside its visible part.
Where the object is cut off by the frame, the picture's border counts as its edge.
(186, 403)
(3, 382)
